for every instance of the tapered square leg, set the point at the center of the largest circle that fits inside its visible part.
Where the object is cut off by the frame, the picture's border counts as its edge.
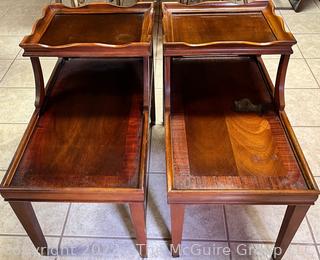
(177, 217)
(28, 219)
(139, 223)
(293, 217)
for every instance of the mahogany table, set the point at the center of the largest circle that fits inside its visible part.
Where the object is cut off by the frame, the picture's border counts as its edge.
(88, 138)
(228, 139)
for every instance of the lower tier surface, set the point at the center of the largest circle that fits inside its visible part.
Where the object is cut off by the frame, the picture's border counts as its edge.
(90, 130)
(225, 133)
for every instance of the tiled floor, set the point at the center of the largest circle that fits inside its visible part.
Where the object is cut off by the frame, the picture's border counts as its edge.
(91, 231)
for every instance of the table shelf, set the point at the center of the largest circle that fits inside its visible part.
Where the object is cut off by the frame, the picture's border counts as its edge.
(89, 132)
(216, 147)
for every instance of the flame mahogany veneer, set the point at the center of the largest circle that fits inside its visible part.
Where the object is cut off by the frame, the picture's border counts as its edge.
(88, 138)
(215, 153)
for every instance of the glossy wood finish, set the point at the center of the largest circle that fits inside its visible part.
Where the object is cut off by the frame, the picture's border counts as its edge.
(28, 219)
(90, 131)
(293, 218)
(138, 216)
(215, 147)
(247, 29)
(88, 138)
(94, 30)
(177, 216)
(216, 152)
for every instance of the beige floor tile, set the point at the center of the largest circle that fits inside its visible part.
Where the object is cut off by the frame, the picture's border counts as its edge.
(16, 25)
(4, 66)
(250, 251)
(3, 9)
(158, 74)
(94, 248)
(100, 219)
(282, 3)
(18, 248)
(264, 251)
(159, 43)
(21, 9)
(10, 136)
(159, 105)
(17, 105)
(298, 73)
(260, 223)
(313, 217)
(303, 22)
(198, 221)
(157, 156)
(158, 216)
(9, 47)
(20, 73)
(297, 252)
(197, 250)
(51, 217)
(309, 45)
(315, 68)
(296, 52)
(309, 140)
(303, 106)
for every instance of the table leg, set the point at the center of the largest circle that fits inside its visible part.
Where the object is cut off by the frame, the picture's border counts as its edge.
(38, 77)
(166, 85)
(293, 217)
(28, 219)
(177, 217)
(280, 80)
(139, 223)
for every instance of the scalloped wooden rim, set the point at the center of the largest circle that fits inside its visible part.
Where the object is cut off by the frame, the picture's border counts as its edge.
(51, 7)
(221, 4)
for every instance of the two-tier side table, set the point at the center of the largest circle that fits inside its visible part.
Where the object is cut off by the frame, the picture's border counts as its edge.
(228, 139)
(88, 138)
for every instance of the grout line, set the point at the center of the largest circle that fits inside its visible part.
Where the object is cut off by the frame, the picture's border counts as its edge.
(9, 67)
(304, 33)
(24, 235)
(313, 237)
(64, 226)
(305, 126)
(31, 87)
(313, 126)
(14, 59)
(184, 239)
(318, 82)
(157, 172)
(306, 61)
(303, 88)
(226, 228)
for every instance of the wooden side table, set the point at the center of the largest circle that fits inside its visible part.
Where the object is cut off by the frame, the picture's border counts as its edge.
(228, 139)
(88, 138)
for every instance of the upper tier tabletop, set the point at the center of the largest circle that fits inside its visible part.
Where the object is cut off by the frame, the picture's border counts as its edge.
(224, 28)
(93, 30)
